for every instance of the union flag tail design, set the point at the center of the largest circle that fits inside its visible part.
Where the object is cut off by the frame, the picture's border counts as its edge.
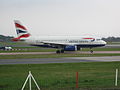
(21, 31)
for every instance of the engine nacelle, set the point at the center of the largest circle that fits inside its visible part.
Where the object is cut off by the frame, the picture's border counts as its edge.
(70, 48)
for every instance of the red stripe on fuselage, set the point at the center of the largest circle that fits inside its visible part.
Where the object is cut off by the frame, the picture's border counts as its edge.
(20, 26)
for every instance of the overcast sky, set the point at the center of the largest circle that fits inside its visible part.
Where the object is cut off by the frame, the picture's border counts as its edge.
(62, 17)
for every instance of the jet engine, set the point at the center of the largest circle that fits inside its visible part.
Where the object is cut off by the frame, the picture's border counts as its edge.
(70, 48)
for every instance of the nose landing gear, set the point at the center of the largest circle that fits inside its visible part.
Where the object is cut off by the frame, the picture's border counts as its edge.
(91, 51)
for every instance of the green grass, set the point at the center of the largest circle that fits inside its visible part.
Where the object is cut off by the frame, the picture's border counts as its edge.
(113, 42)
(92, 76)
(23, 56)
(12, 43)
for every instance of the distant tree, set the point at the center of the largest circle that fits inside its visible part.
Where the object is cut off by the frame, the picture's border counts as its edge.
(112, 39)
(5, 38)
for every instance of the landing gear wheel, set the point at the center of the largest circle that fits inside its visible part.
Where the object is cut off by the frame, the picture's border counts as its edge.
(91, 51)
(62, 51)
(58, 51)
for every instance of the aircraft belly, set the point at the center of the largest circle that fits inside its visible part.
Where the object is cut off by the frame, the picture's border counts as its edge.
(90, 45)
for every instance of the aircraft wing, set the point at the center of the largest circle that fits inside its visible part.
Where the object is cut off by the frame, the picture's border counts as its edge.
(56, 44)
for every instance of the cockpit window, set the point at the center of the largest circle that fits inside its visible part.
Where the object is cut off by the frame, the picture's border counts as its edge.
(98, 39)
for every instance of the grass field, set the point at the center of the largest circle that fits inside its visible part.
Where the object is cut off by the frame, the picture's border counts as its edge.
(23, 56)
(92, 76)
(113, 42)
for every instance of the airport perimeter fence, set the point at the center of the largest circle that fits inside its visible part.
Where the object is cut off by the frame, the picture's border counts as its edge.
(103, 80)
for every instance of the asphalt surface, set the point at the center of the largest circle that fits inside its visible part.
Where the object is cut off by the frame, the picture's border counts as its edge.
(59, 60)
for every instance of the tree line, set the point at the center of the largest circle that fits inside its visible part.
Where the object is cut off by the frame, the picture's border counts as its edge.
(6, 38)
(111, 39)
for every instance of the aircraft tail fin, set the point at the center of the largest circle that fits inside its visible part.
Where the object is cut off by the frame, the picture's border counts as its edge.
(21, 31)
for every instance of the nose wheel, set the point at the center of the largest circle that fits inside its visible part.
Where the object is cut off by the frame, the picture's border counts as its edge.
(91, 51)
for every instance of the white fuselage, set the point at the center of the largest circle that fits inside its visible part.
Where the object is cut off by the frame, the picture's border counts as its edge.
(76, 41)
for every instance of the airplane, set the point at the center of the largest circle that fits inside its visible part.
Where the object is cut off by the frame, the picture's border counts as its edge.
(62, 43)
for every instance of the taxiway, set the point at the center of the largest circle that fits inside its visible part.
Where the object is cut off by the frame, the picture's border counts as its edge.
(59, 60)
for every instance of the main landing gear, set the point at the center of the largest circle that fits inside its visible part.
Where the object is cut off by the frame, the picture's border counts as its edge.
(60, 51)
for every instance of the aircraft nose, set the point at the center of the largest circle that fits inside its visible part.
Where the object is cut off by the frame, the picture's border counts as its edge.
(104, 42)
